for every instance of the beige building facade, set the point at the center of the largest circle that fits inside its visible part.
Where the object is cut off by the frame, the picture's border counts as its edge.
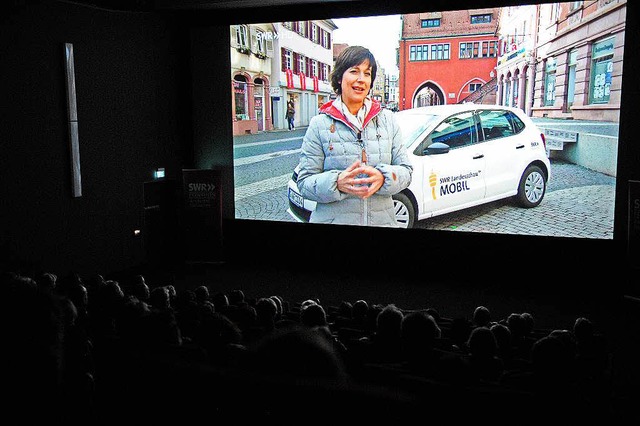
(580, 60)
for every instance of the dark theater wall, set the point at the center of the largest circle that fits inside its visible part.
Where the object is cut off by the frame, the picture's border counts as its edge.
(133, 97)
(152, 85)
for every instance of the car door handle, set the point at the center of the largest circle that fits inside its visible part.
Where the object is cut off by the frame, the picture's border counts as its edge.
(478, 156)
(519, 146)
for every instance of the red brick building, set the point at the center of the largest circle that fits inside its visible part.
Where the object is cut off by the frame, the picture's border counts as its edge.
(444, 57)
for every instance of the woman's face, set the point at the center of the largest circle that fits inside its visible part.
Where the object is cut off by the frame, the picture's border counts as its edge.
(356, 82)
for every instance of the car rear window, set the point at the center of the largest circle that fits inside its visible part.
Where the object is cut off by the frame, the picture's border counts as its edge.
(499, 124)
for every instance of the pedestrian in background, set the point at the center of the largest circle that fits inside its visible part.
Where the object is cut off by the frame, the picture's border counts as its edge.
(291, 112)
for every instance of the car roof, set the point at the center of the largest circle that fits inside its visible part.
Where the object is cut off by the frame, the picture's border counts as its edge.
(448, 109)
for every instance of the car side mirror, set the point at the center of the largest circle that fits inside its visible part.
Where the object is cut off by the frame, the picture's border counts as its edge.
(437, 148)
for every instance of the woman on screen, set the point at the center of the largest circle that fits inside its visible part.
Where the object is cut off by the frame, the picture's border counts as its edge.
(352, 158)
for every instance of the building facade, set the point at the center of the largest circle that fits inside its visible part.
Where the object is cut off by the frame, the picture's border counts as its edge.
(515, 70)
(378, 86)
(446, 56)
(391, 90)
(565, 61)
(580, 59)
(273, 64)
(251, 55)
(302, 69)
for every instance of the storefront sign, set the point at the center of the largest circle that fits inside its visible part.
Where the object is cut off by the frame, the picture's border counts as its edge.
(275, 91)
(603, 48)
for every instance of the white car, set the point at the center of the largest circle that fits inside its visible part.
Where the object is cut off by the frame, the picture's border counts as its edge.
(463, 155)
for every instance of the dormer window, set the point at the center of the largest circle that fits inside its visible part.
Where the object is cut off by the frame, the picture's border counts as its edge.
(481, 19)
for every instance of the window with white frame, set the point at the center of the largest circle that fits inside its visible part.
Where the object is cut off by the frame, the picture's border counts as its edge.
(302, 28)
(490, 49)
(242, 41)
(302, 64)
(555, 12)
(326, 40)
(478, 49)
(439, 52)
(550, 82)
(429, 52)
(287, 59)
(259, 42)
(430, 23)
(326, 72)
(466, 50)
(481, 19)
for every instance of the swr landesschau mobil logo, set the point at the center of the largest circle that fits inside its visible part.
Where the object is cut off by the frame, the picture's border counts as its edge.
(450, 184)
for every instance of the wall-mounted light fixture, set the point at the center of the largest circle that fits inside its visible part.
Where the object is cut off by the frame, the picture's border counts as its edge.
(72, 115)
(159, 173)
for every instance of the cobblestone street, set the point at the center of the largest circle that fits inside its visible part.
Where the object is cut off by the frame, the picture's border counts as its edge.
(579, 203)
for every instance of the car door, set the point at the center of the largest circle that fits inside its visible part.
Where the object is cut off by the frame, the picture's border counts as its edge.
(504, 150)
(453, 174)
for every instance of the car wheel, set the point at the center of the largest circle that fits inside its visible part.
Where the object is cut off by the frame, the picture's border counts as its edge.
(532, 188)
(405, 212)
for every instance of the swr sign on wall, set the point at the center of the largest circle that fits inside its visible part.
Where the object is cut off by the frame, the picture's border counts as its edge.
(202, 219)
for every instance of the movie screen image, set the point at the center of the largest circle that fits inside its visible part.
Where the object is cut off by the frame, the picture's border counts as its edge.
(508, 116)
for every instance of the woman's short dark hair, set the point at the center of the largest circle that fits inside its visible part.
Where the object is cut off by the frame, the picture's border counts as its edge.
(350, 57)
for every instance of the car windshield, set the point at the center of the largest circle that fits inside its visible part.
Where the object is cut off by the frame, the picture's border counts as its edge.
(413, 124)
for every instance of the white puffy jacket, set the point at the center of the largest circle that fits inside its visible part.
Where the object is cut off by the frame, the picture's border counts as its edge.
(330, 145)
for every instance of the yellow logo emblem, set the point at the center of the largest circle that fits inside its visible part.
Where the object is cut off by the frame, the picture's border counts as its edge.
(433, 179)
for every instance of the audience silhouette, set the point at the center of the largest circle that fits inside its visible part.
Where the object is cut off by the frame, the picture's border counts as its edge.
(483, 358)
(75, 341)
(385, 344)
(419, 332)
(313, 315)
(481, 317)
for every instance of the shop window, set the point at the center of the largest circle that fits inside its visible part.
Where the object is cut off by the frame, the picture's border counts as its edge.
(571, 77)
(550, 82)
(601, 72)
(240, 93)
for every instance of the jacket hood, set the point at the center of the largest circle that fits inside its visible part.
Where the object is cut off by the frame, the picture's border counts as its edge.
(329, 109)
